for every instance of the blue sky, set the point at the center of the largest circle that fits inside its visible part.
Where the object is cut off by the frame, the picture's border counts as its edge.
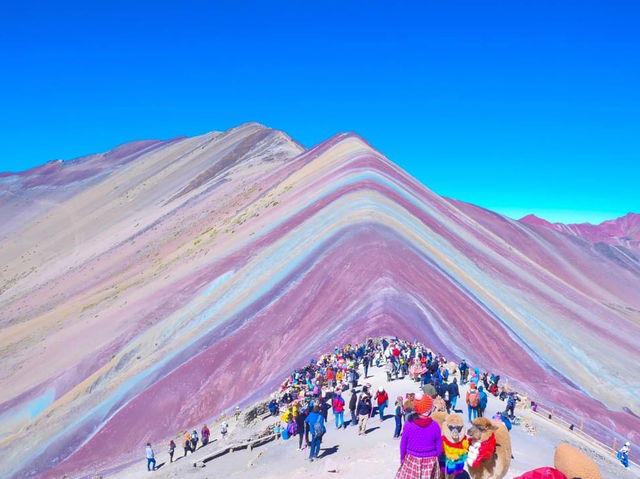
(517, 106)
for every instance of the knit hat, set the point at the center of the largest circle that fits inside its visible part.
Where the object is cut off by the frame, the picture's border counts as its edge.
(422, 403)
(473, 385)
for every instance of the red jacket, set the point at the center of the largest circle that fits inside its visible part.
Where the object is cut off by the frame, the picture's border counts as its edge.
(338, 404)
(382, 397)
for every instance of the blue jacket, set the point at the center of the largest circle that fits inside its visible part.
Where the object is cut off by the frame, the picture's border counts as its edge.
(312, 418)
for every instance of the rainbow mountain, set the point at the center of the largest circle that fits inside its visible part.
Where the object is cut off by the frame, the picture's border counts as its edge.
(151, 288)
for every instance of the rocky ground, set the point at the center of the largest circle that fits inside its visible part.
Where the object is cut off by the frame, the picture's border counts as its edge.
(344, 454)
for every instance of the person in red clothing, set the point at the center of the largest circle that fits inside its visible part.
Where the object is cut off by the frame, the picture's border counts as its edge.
(205, 433)
(383, 400)
(338, 409)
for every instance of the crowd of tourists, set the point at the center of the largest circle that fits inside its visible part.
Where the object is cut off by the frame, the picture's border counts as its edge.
(337, 382)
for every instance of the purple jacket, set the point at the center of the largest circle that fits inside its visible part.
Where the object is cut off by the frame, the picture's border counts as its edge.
(420, 441)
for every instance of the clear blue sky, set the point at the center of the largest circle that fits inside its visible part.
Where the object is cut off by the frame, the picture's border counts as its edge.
(518, 106)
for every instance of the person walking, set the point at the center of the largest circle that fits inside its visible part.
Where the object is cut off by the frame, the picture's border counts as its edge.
(317, 428)
(421, 443)
(300, 427)
(187, 444)
(338, 409)
(365, 364)
(383, 400)
(353, 402)
(205, 433)
(194, 440)
(151, 459)
(473, 400)
(397, 414)
(364, 411)
(172, 449)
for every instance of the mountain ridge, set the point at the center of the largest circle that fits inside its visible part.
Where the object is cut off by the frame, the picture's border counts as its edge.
(321, 245)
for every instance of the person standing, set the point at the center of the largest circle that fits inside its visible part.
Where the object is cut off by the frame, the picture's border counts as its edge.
(338, 409)
(482, 405)
(472, 400)
(187, 444)
(364, 411)
(151, 459)
(397, 414)
(365, 364)
(421, 443)
(205, 433)
(454, 393)
(194, 440)
(300, 428)
(383, 400)
(172, 449)
(353, 402)
(623, 454)
(317, 428)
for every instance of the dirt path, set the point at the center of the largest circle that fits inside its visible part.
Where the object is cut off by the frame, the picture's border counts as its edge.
(346, 455)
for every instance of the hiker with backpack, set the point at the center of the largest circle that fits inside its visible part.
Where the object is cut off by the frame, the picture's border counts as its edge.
(151, 459)
(194, 440)
(473, 400)
(623, 454)
(317, 429)
(338, 409)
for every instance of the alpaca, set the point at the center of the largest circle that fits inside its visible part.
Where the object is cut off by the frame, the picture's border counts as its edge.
(455, 446)
(489, 450)
(569, 464)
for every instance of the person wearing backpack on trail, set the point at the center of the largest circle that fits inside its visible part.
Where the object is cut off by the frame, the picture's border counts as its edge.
(398, 412)
(338, 409)
(187, 444)
(473, 400)
(421, 443)
(383, 400)
(464, 371)
(482, 404)
(316, 426)
(194, 440)
(172, 448)
(205, 433)
(151, 459)
(364, 411)
(353, 403)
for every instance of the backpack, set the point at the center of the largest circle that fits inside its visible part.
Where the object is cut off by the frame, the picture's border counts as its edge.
(318, 428)
(474, 398)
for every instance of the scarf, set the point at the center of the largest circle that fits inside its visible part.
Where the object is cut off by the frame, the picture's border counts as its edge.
(480, 451)
(455, 451)
(422, 421)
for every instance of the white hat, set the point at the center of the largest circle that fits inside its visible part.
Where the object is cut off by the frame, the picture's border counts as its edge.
(381, 388)
(627, 443)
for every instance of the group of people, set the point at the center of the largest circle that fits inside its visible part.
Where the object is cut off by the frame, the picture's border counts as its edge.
(331, 383)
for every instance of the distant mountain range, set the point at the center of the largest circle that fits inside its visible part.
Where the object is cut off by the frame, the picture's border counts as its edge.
(148, 289)
(623, 231)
